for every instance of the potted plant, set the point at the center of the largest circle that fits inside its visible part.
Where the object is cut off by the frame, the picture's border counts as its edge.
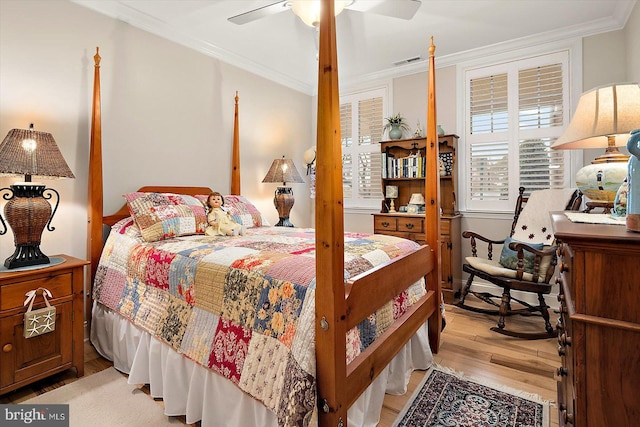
(396, 126)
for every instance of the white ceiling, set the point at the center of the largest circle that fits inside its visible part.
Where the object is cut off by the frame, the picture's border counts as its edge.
(282, 48)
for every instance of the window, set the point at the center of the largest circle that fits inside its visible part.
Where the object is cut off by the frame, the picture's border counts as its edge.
(514, 112)
(361, 123)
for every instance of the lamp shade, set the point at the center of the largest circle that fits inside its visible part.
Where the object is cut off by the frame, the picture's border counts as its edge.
(612, 110)
(391, 191)
(29, 152)
(416, 199)
(283, 170)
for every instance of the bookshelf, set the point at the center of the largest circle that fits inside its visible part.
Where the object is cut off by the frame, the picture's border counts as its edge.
(404, 161)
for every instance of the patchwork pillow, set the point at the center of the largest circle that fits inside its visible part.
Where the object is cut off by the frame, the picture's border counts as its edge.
(241, 210)
(509, 257)
(162, 216)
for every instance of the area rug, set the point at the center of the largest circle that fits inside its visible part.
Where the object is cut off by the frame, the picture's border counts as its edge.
(105, 399)
(446, 398)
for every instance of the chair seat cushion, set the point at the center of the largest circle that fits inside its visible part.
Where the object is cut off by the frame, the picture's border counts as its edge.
(494, 268)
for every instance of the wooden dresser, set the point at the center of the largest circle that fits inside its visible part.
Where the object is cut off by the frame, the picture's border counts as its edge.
(599, 326)
(25, 360)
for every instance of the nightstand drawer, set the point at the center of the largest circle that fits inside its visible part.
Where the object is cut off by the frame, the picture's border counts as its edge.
(411, 225)
(385, 223)
(13, 295)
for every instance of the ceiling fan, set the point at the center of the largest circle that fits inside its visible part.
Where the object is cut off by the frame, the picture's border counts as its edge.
(403, 9)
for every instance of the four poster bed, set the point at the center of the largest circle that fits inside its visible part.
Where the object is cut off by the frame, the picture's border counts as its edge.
(275, 327)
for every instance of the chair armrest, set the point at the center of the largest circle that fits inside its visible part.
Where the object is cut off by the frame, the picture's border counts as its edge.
(540, 256)
(474, 249)
(468, 234)
(521, 246)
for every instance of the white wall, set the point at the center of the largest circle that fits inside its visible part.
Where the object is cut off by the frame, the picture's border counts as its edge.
(167, 113)
(632, 35)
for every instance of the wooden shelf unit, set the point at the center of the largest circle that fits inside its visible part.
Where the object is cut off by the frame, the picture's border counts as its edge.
(411, 225)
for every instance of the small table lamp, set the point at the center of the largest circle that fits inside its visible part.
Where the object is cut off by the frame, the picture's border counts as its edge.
(28, 153)
(283, 170)
(391, 193)
(415, 203)
(604, 117)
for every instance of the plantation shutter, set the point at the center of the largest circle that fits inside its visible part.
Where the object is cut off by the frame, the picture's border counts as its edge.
(489, 157)
(369, 159)
(515, 111)
(541, 122)
(361, 123)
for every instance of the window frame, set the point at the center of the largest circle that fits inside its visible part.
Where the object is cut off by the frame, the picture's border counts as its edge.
(496, 59)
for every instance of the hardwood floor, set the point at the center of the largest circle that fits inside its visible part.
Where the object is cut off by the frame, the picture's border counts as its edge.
(467, 346)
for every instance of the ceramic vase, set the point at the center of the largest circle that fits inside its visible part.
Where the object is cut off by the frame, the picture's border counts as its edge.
(620, 202)
(395, 132)
(633, 192)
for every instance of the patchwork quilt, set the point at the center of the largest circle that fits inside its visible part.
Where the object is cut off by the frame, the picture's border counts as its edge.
(242, 306)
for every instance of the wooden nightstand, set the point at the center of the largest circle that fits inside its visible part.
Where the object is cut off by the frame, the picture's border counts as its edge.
(25, 360)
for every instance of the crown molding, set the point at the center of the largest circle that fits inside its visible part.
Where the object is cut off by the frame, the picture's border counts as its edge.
(124, 13)
(135, 18)
(613, 23)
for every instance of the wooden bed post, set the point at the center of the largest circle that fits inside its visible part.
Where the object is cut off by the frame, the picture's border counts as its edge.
(235, 157)
(432, 196)
(94, 199)
(329, 219)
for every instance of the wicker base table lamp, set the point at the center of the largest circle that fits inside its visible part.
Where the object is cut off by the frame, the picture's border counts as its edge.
(283, 170)
(29, 153)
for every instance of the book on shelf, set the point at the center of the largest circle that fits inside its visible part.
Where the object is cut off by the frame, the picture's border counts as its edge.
(403, 167)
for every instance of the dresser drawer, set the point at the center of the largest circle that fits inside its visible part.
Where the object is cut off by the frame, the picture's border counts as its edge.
(411, 225)
(385, 223)
(13, 295)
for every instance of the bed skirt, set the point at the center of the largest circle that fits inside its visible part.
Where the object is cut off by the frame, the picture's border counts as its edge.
(199, 394)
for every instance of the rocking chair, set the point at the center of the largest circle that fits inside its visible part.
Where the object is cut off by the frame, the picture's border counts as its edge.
(527, 261)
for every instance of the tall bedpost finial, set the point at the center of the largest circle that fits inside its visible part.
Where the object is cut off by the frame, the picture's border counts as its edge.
(235, 152)
(432, 48)
(96, 57)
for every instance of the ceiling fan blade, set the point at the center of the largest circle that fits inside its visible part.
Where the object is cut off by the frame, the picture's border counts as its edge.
(403, 9)
(260, 12)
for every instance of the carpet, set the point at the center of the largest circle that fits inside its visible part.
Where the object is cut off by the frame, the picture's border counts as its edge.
(445, 398)
(105, 399)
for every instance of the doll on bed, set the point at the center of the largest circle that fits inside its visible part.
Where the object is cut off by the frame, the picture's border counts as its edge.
(220, 221)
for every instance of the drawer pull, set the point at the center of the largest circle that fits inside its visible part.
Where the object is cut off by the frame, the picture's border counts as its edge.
(562, 371)
(564, 340)
(561, 351)
(409, 226)
(561, 297)
(385, 224)
(564, 267)
(7, 348)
